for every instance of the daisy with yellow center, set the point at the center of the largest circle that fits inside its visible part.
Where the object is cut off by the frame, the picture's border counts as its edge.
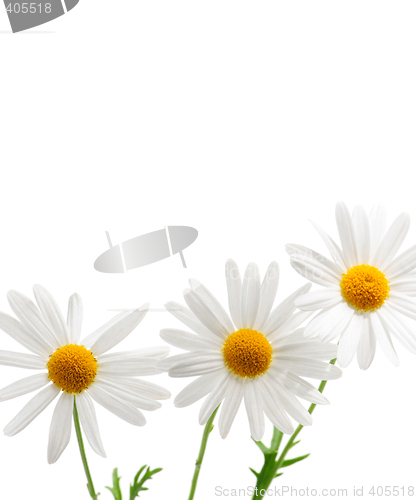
(368, 290)
(77, 372)
(258, 355)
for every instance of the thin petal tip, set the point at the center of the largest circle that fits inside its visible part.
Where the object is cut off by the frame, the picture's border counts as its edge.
(144, 307)
(194, 283)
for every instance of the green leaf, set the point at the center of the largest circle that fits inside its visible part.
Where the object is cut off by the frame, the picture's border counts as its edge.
(286, 463)
(115, 490)
(257, 474)
(280, 474)
(136, 477)
(137, 485)
(262, 447)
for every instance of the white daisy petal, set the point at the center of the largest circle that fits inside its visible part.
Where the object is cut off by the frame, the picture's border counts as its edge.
(25, 337)
(366, 346)
(212, 302)
(289, 327)
(349, 340)
(126, 394)
(314, 327)
(187, 341)
(346, 234)
(403, 304)
(303, 389)
(188, 318)
(319, 299)
(402, 264)
(391, 241)
(52, 314)
(205, 315)
(405, 284)
(20, 360)
(158, 352)
(200, 364)
(312, 350)
(334, 250)
(250, 295)
(24, 386)
(331, 331)
(412, 274)
(362, 234)
(230, 406)
(294, 250)
(74, 319)
(128, 365)
(267, 295)
(30, 316)
(254, 409)
(116, 405)
(295, 337)
(377, 222)
(166, 364)
(215, 397)
(329, 324)
(197, 389)
(315, 270)
(119, 331)
(273, 410)
(383, 337)
(60, 430)
(283, 311)
(88, 419)
(233, 278)
(142, 387)
(31, 410)
(399, 328)
(288, 401)
(310, 368)
(90, 339)
(151, 354)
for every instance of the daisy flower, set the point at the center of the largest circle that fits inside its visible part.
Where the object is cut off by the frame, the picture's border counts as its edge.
(259, 355)
(368, 291)
(68, 368)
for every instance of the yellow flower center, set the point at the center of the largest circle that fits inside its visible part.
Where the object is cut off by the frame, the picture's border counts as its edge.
(247, 353)
(365, 287)
(72, 368)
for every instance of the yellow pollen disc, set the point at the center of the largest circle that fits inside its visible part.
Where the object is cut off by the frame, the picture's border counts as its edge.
(365, 287)
(247, 353)
(72, 368)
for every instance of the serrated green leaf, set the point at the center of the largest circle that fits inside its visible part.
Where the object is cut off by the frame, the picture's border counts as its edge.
(137, 485)
(115, 490)
(262, 446)
(292, 461)
(136, 477)
(257, 474)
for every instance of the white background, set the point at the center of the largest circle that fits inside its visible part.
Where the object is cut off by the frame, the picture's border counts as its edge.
(242, 119)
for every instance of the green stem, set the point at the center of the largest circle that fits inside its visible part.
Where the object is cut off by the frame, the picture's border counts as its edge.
(198, 463)
(271, 466)
(90, 484)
